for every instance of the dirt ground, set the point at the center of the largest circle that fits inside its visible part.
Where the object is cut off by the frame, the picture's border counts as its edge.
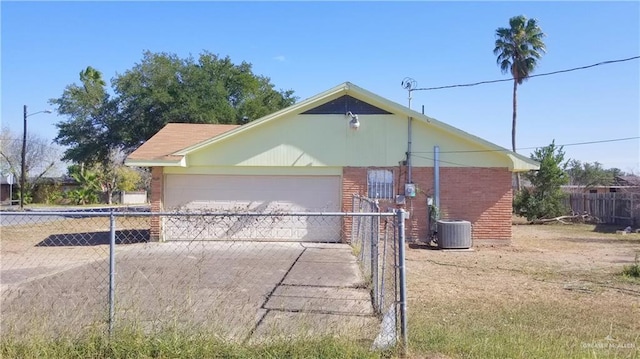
(560, 280)
(570, 257)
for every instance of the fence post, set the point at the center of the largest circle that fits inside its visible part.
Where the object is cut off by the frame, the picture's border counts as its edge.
(112, 270)
(384, 265)
(353, 219)
(374, 262)
(632, 211)
(402, 279)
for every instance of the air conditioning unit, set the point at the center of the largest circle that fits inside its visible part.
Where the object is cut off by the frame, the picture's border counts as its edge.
(454, 234)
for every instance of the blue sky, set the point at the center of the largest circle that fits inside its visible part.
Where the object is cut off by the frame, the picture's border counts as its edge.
(312, 46)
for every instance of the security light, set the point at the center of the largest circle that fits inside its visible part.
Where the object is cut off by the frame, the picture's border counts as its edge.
(353, 123)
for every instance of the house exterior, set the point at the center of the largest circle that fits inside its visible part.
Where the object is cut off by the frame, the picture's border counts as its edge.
(599, 189)
(7, 183)
(316, 154)
(621, 184)
(9, 186)
(44, 185)
(630, 182)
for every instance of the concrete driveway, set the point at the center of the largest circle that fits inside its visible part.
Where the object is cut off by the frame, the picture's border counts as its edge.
(245, 291)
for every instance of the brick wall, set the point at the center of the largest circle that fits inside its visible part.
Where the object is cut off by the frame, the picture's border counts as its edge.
(157, 186)
(482, 196)
(352, 183)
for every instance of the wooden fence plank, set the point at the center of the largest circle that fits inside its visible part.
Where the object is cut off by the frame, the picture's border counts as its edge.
(612, 208)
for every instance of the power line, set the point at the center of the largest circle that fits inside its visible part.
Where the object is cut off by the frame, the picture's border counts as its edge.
(587, 143)
(416, 154)
(439, 160)
(533, 148)
(537, 75)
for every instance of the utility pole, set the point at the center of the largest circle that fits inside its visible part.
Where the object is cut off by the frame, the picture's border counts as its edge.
(23, 168)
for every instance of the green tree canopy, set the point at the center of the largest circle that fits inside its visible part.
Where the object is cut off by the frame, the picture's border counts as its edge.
(590, 174)
(161, 88)
(544, 198)
(89, 133)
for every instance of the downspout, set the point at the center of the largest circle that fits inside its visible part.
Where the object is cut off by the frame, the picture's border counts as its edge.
(436, 177)
(409, 178)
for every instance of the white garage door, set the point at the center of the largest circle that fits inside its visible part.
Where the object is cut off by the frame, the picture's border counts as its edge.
(262, 194)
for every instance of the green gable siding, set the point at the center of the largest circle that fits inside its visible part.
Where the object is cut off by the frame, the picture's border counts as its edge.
(315, 133)
(328, 141)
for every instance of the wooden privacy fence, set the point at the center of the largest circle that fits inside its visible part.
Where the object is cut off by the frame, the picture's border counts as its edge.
(612, 208)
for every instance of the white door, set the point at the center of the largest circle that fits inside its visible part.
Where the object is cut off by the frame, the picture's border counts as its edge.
(272, 195)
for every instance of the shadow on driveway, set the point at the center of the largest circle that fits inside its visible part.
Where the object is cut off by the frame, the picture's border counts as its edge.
(125, 236)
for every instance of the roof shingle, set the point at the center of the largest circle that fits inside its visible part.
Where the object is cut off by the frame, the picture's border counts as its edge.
(176, 136)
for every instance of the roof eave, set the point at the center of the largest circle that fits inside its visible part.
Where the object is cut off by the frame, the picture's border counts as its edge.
(520, 163)
(156, 163)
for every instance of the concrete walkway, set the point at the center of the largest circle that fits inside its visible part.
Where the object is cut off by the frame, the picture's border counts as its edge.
(240, 290)
(322, 294)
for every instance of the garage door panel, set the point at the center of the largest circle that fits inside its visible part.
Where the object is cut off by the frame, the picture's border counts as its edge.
(292, 228)
(310, 193)
(262, 194)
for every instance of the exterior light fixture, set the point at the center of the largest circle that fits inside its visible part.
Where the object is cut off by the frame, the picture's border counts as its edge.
(353, 123)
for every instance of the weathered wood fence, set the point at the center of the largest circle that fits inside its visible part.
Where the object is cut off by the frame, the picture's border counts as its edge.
(612, 208)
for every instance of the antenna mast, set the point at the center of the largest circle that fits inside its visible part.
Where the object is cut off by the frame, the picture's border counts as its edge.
(409, 84)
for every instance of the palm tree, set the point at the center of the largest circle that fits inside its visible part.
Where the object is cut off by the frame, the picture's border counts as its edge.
(93, 85)
(518, 47)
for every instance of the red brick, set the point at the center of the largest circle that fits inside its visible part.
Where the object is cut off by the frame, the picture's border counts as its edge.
(481, 196)
(157, 190)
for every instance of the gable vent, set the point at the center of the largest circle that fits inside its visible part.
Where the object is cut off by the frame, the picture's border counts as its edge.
(344, 104)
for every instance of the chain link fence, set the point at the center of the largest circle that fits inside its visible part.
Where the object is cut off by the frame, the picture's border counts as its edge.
(376, 241)
(245, 277)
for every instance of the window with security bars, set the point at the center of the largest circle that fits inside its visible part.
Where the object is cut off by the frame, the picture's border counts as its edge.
(380, 184)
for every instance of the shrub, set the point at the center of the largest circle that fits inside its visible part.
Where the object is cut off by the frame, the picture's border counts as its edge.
(632, 270)
(544, 198)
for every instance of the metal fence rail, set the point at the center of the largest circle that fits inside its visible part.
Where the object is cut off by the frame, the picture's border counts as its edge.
(241, 276)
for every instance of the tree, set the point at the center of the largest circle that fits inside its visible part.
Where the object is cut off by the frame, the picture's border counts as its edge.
(615, 172)
(41, 157)
(544, 198)
(113, 175)
(589, 175)
(518, 49)
(89, 185)
(89, 133)
(129, 179)
(102, 179)
(162, 88)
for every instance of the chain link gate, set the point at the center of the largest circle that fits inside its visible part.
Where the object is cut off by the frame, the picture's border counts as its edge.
(228, 274)
(380, 243)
